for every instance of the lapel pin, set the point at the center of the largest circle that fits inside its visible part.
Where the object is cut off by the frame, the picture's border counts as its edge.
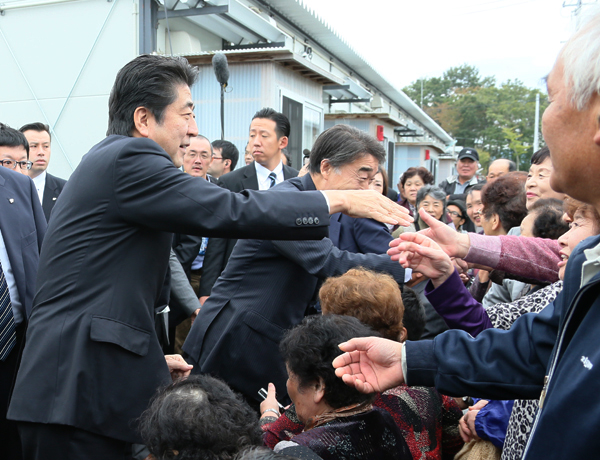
(54, 199)
(11, 200)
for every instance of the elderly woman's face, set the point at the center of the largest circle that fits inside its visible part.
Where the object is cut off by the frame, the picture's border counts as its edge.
(303, 398)
(581, 228)
(411, 187)
(432, 206)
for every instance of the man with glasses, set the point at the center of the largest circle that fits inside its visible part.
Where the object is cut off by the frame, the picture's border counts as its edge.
(225, 157)
(14, 150)
(22, 226)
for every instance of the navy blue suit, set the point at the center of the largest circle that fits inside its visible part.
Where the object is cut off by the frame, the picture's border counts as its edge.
(560, 342)
(23, 224)
(52, 189)
(92, 359)
(266, 288)
(363, 236)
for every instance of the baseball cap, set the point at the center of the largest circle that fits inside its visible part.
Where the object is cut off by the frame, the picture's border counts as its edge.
(468, 152)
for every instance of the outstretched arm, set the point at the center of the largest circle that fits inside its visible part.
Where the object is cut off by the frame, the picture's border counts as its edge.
(370, 364)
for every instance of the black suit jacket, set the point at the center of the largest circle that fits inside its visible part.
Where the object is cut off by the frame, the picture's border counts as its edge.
(92, 359)
(265, 289)
(219, 250)
(52, 189)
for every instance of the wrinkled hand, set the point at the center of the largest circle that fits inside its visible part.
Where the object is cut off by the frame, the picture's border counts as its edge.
(370, 364)
(453, 243)
(368, 204)
(270, 402)
(423, 255)
(178, 367)
(466, 425)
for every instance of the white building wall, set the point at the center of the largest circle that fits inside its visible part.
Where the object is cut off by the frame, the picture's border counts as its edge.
(59, 62)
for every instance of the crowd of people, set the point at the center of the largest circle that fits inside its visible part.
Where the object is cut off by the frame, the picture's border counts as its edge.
(165, 304)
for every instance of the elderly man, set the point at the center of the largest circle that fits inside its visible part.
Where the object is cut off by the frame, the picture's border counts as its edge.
(92, 358)
(466, 168)
(500, 167)
(269, 286)
(554, 355)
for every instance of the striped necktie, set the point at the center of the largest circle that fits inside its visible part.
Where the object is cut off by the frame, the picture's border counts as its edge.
(8, 337)
(273, 178)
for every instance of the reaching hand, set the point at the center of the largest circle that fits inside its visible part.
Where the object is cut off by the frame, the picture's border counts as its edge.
(453, 243)
(369, 204)
(178, 367)
(370, 364)
(466, 425)
(423, 255)
(270, 404)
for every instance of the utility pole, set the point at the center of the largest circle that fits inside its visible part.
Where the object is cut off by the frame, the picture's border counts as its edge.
(577, 11)
(536, 132)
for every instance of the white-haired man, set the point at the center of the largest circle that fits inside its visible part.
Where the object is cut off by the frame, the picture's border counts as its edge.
(554, 355)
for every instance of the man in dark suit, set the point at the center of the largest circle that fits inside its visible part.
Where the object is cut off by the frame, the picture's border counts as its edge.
(47, 185)
(22, 227)
(269, 286)
(269, 133)
(92, 359)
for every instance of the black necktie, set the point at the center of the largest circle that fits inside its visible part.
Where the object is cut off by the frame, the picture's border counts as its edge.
(273, 178)
(8, 337)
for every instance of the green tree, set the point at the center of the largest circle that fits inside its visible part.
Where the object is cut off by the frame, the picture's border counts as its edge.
(497, 119)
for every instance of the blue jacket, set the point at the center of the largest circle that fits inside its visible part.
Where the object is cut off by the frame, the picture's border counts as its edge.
(556, 351)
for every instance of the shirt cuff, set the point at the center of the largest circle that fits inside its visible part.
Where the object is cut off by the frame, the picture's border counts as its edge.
(404, 366)
(327, 201)
(407, 275)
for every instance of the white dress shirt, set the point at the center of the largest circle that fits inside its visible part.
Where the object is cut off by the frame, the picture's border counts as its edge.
(40, 184)
(10, 281)
(262, 175)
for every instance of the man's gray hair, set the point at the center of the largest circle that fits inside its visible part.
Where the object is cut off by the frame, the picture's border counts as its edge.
(581, 62)
(342, 144)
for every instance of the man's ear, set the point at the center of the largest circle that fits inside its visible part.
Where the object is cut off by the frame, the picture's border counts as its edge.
(319, 393)
(403, 335)
(141, 121)
(283, 142)
(227, 163)
(326, 168)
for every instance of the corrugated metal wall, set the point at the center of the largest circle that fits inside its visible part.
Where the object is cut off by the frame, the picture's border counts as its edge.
(251, 87)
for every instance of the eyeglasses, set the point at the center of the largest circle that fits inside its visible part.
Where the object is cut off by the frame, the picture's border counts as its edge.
(12, 164)
(455, 214)
(217, 158)
(194, 155)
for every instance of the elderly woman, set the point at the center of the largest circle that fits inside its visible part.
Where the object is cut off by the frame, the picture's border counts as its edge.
(410, 183)
(427, 420)
(457, 209)
(461, 311)
(504, 203)
(433, 200)
(339, 421)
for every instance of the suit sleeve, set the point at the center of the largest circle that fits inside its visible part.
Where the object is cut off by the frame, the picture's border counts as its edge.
(496, 364)
(182, 294)
(150, 191)
(372, 237)
(321, 258)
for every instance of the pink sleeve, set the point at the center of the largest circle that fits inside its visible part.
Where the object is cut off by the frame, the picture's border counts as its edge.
(535, 258)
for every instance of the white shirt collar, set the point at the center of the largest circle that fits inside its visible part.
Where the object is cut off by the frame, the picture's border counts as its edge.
(40, 183)
(592, 264)
(262, 175)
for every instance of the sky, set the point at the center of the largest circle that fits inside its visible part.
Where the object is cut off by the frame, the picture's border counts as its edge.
(406, 40)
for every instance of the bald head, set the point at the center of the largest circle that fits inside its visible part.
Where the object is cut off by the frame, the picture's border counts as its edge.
(500, 167)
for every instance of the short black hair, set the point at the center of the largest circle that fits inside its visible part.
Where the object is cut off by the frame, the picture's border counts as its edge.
(228, 151)
(548, 222)
(310, 347)
(342, 144)
(148, 81)
(477, 187)
(282, 124)
(414, 314)
(540, 156)
(37, 126)
(199, 417)
(10, 137)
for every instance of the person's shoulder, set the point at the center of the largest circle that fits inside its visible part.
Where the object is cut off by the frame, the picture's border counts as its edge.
(288, 171)
(14, 177)
(57, 180)
(236, 174)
